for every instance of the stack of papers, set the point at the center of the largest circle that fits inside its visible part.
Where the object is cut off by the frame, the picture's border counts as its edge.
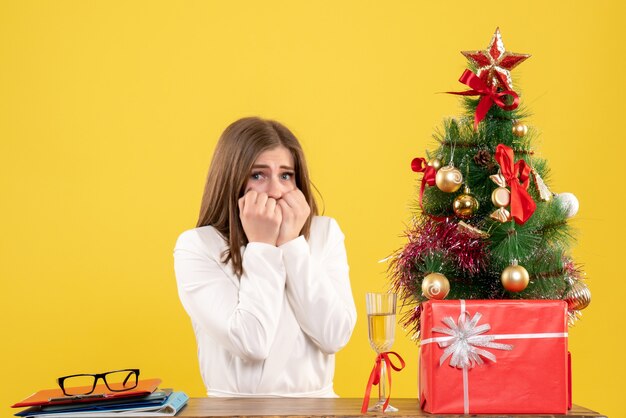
(144, 400)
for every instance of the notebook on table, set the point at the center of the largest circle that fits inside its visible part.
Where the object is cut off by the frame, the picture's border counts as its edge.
(101, 393)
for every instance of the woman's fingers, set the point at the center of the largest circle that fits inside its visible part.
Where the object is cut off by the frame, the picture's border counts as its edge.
(273, 221)
(295, 211)
(240, 202)
(259, 217)
(297, 202)
(270, 206)
(261, 200)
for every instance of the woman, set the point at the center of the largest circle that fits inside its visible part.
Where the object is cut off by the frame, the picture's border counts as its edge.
(263, 278)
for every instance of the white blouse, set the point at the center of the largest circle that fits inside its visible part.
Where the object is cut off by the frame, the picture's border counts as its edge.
(274, 331)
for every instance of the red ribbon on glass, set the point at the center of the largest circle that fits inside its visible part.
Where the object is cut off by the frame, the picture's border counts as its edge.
(517, 177)
(489, 94)
(375, 377)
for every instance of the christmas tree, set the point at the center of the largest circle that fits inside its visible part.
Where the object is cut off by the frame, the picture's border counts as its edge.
(486, 225)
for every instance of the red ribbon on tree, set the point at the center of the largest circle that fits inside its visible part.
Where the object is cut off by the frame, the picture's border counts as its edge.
(375, 377)
(490, 95)
(419, 165)
(517, 177)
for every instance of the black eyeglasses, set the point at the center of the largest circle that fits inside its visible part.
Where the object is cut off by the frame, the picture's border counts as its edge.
(84, 384)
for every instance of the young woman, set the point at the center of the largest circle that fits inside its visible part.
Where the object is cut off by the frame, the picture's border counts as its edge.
(263, 278)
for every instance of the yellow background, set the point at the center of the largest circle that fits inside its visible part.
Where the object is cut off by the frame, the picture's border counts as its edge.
(109, 112)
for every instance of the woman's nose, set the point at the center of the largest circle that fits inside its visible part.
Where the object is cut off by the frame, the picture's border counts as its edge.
(275, 189)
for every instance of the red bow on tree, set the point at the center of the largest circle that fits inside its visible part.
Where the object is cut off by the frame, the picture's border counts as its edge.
(419, 165)
(375, 377)
(517, 176)
(490, 95)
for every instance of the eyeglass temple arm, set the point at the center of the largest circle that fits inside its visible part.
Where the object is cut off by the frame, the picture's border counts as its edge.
(128, 377)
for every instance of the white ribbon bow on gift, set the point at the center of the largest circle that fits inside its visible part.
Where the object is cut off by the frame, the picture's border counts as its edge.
(465, 342)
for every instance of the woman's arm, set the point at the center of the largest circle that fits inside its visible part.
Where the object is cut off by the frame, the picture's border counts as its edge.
(318, 287)
(241, 315)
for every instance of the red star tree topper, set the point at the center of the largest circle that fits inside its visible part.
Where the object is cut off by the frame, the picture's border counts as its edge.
(494, 63)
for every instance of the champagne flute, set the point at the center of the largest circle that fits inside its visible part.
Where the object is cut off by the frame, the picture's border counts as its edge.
(381, 318)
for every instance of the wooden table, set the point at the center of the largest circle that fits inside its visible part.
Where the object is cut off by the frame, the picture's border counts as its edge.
(310, 407)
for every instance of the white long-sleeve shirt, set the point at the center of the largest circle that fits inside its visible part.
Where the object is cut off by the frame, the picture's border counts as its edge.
(274, 331)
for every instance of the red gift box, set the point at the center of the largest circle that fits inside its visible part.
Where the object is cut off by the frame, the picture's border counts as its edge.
(494, 357)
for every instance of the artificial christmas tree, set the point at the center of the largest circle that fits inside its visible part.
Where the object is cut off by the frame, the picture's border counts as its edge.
(487, 228)
(485, 218)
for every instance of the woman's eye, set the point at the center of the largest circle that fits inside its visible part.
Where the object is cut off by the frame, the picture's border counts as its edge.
(256, 176)
(287, 176)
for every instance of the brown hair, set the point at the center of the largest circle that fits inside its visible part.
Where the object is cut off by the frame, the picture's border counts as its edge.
(235, 153)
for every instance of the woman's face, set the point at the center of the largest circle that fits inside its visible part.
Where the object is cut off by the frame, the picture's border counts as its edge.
(272, 173)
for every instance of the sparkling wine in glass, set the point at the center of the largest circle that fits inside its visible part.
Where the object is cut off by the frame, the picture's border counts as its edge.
(381, 319)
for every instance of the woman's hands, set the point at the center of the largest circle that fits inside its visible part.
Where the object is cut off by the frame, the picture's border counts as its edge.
(272, 221)
(295, 210)
(260, 217)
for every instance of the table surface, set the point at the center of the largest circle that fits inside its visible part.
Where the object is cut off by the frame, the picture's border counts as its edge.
(316, 407)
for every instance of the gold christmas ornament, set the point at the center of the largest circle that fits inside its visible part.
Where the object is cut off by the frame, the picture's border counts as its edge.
(578, 297)
(519, 129)
(465, 205)
(498, 179)
(544, 193)
(435, 163)
(501, 215)
(501, 197)
(514, 278)
(472, 231)
(435, 286)
(449, 179)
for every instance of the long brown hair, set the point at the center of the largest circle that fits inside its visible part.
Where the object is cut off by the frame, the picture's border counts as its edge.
(235, 153)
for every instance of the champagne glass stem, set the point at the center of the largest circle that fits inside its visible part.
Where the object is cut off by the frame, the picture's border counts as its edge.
(382, 385)
(383, 391)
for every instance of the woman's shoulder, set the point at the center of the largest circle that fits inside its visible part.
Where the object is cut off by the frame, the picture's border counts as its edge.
(325, 226)
(203, 239)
